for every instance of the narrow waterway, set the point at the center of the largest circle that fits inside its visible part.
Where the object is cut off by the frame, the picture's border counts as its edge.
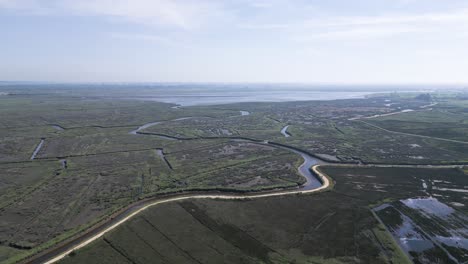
(160, 153)
(284, 131)
(64, 163)
(147, 125)
(312, 182)
(134, 132)
(38, 148)
(57, 127)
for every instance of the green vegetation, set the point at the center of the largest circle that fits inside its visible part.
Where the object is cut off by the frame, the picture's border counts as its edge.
(443, 121)
(388, 243)
(331, 227)
(333, 130)
(95, 185)
(90, 166)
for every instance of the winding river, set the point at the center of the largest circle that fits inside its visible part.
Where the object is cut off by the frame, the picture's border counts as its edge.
(305, 170)
(147, 125)
(315, 181)
(311, 180)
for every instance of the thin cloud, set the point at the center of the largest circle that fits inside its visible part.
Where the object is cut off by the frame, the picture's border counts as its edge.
(149, 37)
(157, 12)
(361, 33)
(202, 15)
(261, 4)
(455, 16)
(271, 26)
(348, 21)
(166, 13)
(346, 27)
(27, 7)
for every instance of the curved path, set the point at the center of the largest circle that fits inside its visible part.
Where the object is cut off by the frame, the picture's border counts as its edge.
(61, 253)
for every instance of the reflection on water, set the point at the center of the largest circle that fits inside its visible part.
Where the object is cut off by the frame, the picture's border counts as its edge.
(429, 205)
(420, 224)
(312, 181)
(454, 241)
(410, 238)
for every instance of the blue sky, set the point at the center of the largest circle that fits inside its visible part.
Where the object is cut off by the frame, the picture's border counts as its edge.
(315, 41)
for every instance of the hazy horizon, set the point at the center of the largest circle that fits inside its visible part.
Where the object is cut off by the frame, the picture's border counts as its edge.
(188, 94)
(446, 85)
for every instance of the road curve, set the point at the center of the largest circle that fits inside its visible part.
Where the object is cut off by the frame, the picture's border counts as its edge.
(60, 254)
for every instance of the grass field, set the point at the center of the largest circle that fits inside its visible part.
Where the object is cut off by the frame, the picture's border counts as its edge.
(332, 227)
(443, 121)
(89, 165)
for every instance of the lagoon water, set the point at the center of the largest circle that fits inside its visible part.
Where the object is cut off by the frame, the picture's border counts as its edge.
(212, 94)
(188, 94)
(189, 98)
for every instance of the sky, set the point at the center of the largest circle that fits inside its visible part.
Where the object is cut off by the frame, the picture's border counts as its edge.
(273, 41)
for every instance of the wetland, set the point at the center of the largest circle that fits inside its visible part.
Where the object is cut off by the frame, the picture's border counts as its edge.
(71, 161)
